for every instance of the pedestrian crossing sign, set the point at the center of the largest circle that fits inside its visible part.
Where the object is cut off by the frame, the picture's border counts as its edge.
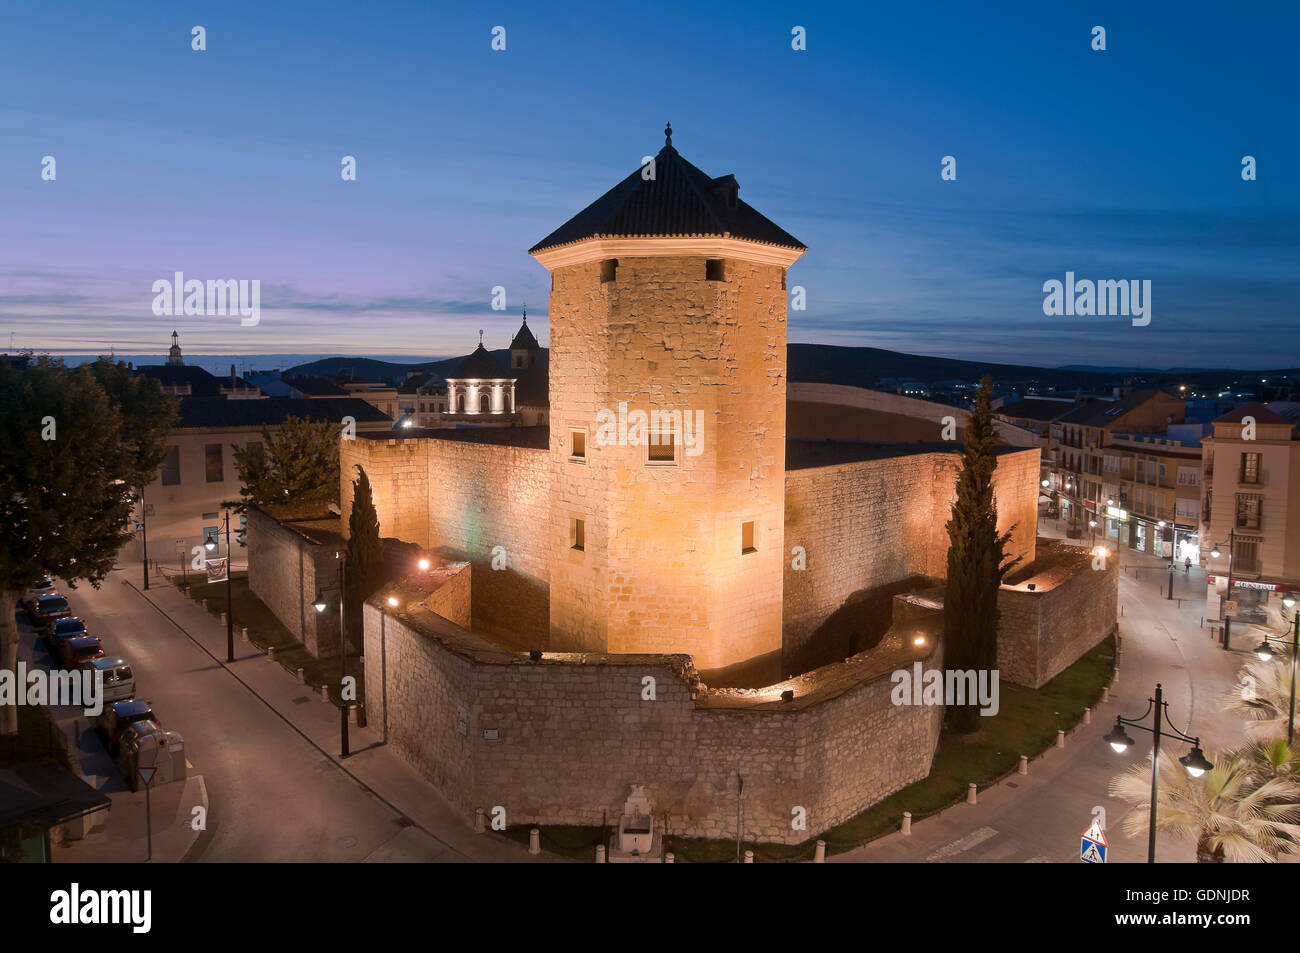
(1092, 845)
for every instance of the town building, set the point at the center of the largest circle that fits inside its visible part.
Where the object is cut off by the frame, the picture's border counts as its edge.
(1250, 514)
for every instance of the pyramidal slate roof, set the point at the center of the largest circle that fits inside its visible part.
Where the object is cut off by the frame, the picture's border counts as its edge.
(481, 366)
(679, 202)
(523, 339)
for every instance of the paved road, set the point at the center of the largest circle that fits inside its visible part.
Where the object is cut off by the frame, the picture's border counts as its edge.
(275, 796)
(1039, 817)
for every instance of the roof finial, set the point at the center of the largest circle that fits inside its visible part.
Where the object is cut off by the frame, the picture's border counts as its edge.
(525, 312)
(668, 134)
(480, 337)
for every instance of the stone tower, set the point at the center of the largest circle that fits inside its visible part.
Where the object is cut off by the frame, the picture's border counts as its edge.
(668, 295)
(174, 352)
(524, 347)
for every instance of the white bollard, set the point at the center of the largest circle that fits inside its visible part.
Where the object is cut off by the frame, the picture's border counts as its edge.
(819, 857)
(749, 856)
(669, 858)
(1087, 716)
(600, 854)
(971, 792)
(1060, 738)
(907, 823)
(534, 841)
(1024, 765)
(480, 820)
(222, 616)
(302, 675)
(1105, 693)
(243, 632)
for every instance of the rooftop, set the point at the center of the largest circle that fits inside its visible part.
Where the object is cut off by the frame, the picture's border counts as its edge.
(272, 411)
(680, 201)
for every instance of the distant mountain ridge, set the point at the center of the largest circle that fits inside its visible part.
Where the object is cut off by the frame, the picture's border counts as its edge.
(833, 364)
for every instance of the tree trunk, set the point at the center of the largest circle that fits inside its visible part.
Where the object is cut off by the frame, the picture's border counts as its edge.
(9, 654)
(1204, 855)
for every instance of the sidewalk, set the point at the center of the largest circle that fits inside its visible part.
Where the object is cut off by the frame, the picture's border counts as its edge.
(374, 766)
(118, 834)
(1039, 817)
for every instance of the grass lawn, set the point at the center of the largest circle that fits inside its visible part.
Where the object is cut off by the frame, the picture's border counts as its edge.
(264, 629)
(1026, 723)
(33, 741)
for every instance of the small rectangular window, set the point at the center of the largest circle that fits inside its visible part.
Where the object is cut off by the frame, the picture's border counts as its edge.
(747, 538)
(608, 269)
(577, 534)
(577, 444)
(212, 461)
(171, 468)
(663, 446)
(715, 269)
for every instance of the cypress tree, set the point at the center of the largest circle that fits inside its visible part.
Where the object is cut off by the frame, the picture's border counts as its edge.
(977, 561)
(365, 555)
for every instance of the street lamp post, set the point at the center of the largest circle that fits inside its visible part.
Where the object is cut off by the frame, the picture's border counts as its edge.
(319, 605)
(1232, 553)
(210, 544)
(1265, 652)
(144, 537)
(1194, 761)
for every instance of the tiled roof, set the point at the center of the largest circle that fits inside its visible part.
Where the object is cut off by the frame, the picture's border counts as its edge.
(315, 386)
(1036, 409)
(680, 201)
(1260, 412)
(523, 339)
(1102, 413)
(271, 411)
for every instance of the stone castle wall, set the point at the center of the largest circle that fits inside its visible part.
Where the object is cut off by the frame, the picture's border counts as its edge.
(561, 740)
(468, 500)
(870, 523)
(286, 568)
(1043, 631)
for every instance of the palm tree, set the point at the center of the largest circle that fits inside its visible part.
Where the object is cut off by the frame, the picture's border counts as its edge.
(1233, 811)
(1273, 758)
(1263, 697)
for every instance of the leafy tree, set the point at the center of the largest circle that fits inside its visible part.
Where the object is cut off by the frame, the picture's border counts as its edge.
(365, 554)
(1241, 811)
(298, 466)
(977, 560)
(74, 444)
(1263, 697)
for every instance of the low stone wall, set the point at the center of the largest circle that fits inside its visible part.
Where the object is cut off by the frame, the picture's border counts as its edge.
(562, 739)
(867, 524)
(1072, 607)
(288, 563)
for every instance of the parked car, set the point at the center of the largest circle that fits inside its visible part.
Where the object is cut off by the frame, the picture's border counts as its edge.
(43, 587)
(112, 721)
(73, 653)
(61, 629)
(49, 607)
(119, 680)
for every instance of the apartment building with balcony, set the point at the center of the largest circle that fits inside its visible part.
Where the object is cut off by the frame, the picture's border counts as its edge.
(1092, 479)
(1250, 511)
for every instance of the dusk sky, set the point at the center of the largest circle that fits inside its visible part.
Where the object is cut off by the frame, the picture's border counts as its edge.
(1122, 164)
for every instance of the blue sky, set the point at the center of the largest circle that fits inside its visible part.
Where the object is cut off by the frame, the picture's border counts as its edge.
(1122, 164)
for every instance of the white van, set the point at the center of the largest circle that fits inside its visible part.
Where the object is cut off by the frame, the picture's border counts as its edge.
(119, 681)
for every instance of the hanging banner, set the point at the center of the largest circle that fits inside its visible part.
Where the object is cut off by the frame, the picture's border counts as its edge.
(217, 568)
